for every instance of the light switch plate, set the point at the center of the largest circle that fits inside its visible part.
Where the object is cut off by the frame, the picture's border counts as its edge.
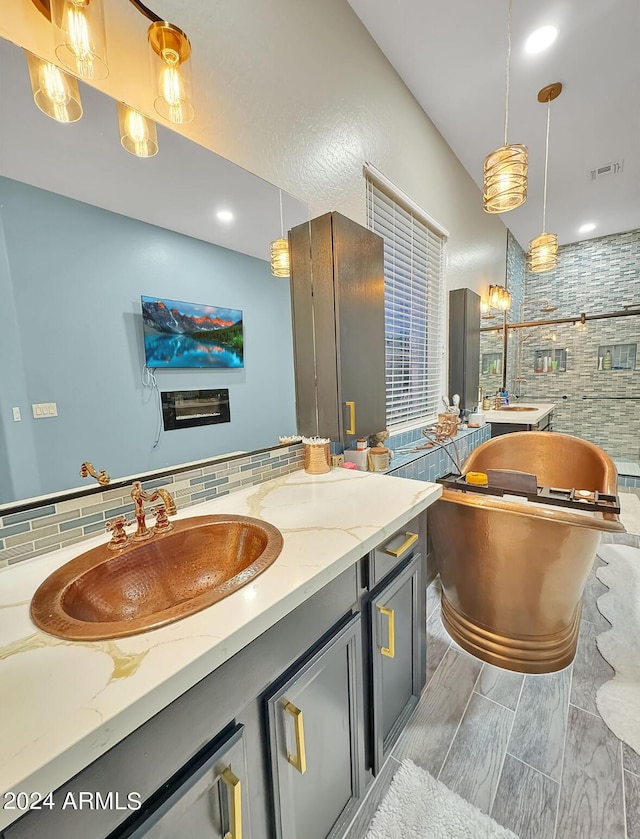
(43, 410)
(16, 414)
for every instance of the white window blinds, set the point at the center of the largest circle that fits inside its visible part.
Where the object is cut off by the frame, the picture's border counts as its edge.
(414, 307)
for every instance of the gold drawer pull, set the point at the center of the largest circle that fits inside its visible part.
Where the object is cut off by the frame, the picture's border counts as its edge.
(352, 417)
(299, 760)
(389, 651)
(235, 790)
(411, 539)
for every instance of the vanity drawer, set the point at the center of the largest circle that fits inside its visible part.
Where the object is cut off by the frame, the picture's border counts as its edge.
(409, 540)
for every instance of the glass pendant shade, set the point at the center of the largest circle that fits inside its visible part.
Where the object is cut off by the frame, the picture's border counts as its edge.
(543, 253)
(170, 53)
(499, 298)
(505, 179)
(138, 133)
(80, 37)
(280, 263)
(55, 92)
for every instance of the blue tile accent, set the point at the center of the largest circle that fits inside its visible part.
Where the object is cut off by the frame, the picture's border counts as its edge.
(14, 530)
(93, 528)
(27, 515)
(205, 495)
(69, 525)
(124, 510)
(212, 484)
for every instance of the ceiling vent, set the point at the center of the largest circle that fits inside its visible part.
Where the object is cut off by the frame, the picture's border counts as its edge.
(605, 171)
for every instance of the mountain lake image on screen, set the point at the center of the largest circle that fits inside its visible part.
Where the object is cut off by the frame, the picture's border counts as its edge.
(178, 334)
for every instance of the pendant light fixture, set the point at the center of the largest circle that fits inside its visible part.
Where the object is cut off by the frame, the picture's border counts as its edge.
(499, 298)
(543, 250)
(280, 258)
(138, 133)
(170, 52)
(55, 92)
(505, 169)
(80, 38)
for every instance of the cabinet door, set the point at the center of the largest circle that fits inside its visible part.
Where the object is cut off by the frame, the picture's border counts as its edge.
(207, 799)
(317, 741)
(359, 289)
(396, 616)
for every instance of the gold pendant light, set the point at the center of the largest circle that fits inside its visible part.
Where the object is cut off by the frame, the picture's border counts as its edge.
(499, 298)
(80, 39)
(170, 52)
(280, 257)
(543, 250)
(138, 133)
(55, 92)
(505, 169)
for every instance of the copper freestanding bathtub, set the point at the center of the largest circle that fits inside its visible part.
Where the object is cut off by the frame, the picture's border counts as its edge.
(512, 573)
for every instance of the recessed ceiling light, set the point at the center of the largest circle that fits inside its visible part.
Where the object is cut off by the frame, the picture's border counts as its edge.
(541, 39)
(224, 215)
(586, 228)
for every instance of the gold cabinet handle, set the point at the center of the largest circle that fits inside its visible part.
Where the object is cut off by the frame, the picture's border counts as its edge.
(389, 651)
(352, 417)
(411, 539)
(299, 760)
(235, 791)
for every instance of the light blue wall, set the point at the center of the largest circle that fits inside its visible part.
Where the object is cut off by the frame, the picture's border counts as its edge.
(77, 273)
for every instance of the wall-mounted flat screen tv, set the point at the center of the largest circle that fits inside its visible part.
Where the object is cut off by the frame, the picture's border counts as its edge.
(178, 334)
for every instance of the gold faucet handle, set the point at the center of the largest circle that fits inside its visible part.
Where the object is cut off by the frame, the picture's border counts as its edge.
(162, 522)
(119, 538)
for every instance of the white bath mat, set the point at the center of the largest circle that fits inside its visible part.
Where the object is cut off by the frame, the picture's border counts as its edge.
(417, 806)
(630, 511)
(618, 700)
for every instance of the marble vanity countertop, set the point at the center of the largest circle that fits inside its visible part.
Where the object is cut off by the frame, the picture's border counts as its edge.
(520, 417)
(64, 703)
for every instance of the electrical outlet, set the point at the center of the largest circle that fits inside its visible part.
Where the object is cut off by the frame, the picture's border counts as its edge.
(16, 414)
(42, 410)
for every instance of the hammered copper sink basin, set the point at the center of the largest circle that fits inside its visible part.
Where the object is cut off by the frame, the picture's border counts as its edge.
(103, 594)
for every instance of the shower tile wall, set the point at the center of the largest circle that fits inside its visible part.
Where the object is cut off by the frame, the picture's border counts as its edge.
(597, 276)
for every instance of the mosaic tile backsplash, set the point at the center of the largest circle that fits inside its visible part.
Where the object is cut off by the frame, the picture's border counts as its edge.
(431, 464)
(48, 527)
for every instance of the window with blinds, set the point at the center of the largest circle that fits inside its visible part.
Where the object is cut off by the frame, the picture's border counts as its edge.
(414, 308)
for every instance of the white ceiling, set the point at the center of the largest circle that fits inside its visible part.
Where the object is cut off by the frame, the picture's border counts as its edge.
(452, 56)
(180, 189)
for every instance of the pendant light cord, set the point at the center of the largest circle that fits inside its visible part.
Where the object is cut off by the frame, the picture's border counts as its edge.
(546, 166)
(281, 221)
(506, 104)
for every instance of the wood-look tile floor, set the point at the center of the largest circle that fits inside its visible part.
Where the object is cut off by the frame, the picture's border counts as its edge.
(532, 751)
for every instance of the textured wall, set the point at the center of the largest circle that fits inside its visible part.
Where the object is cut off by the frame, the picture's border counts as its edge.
(298, 92)
(596, 276)
(77, 332)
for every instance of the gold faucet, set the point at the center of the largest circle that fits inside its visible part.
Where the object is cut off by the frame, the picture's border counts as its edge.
(139, 496)
(101, 477)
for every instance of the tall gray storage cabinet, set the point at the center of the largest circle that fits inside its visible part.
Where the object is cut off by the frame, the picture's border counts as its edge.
(337, 295)
(464, 345)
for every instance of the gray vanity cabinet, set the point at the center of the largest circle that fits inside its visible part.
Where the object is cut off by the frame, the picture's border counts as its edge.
(396, 614)
(209, 799)
(316, 736)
